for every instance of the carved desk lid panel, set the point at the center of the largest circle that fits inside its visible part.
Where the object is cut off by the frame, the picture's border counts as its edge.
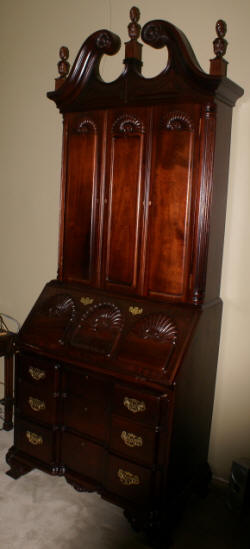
(111, 333)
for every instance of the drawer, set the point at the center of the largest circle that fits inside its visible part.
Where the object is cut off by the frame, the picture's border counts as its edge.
(34, 440)
(39, 372)
(82, 456)
(86, 416)
(34, 402)
(136, 405)
(128, 481)
(133, 440)
(82, 384)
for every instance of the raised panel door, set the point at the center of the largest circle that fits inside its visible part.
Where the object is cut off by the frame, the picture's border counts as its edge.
(127, 133)
(81, 195)
(173, 186)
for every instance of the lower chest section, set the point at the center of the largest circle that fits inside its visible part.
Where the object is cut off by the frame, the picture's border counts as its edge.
(101, 433)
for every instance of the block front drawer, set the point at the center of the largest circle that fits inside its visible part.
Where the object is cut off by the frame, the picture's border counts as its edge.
(86, 416)
(32, 401)
(82, 456)
(136, 405)
(40, 372)
(133, 440)
(34, 440)
(84, 384)
(127, 480)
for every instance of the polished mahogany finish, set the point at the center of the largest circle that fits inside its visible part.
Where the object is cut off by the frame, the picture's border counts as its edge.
(117, 359)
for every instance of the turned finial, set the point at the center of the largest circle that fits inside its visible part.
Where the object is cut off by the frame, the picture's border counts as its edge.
(218, 65)
(133, 47)
(63, 66)
(134, 28)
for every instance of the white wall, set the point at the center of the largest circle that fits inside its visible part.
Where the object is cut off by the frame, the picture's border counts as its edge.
(30, 148)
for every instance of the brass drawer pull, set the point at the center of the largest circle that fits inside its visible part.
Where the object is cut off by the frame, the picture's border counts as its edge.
(86, 300)
(127, 478)
(36, 404)
(134, 405)
(135, 311)
(131, 440)
(34, 439)
(36, 373)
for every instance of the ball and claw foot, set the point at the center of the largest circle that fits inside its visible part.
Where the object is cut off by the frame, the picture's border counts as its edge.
(154, 528)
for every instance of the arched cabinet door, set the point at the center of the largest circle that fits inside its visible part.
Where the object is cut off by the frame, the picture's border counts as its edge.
(127, 137)
(83, 135)
(174, 190)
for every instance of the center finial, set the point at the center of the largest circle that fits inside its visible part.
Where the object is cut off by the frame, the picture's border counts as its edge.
(134, 28)
(133, 48)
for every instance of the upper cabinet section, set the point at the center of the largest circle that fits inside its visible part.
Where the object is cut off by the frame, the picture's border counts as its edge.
(145, 166)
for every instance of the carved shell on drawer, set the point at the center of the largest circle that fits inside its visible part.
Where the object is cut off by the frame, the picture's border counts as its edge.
(103, 316)
(157, 327)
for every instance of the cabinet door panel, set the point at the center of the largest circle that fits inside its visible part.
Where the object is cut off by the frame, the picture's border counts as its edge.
(124, 180)
(170, 215)
(82, 194)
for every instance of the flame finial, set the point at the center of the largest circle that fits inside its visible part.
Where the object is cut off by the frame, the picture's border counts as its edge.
(218, 65)
(133, 48)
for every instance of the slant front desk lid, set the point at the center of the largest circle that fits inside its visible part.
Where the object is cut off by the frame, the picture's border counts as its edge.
(135, 337)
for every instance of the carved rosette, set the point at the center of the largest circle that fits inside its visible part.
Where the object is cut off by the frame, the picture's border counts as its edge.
(157, 327)
(128, 125)
(152, 34)
(177, 120)
(103, 41)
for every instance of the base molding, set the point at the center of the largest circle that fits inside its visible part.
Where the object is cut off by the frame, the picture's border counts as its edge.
(18, 467)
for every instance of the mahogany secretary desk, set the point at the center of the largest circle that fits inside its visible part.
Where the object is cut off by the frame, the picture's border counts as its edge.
(116, 362)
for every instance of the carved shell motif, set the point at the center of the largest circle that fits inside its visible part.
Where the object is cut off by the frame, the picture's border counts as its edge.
(177, 120)
(85, 126)
(127, 125)
(60, 306)
(156, 327)
(103, 316)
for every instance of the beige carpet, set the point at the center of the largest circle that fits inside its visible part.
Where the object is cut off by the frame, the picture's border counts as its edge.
(38, 511)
